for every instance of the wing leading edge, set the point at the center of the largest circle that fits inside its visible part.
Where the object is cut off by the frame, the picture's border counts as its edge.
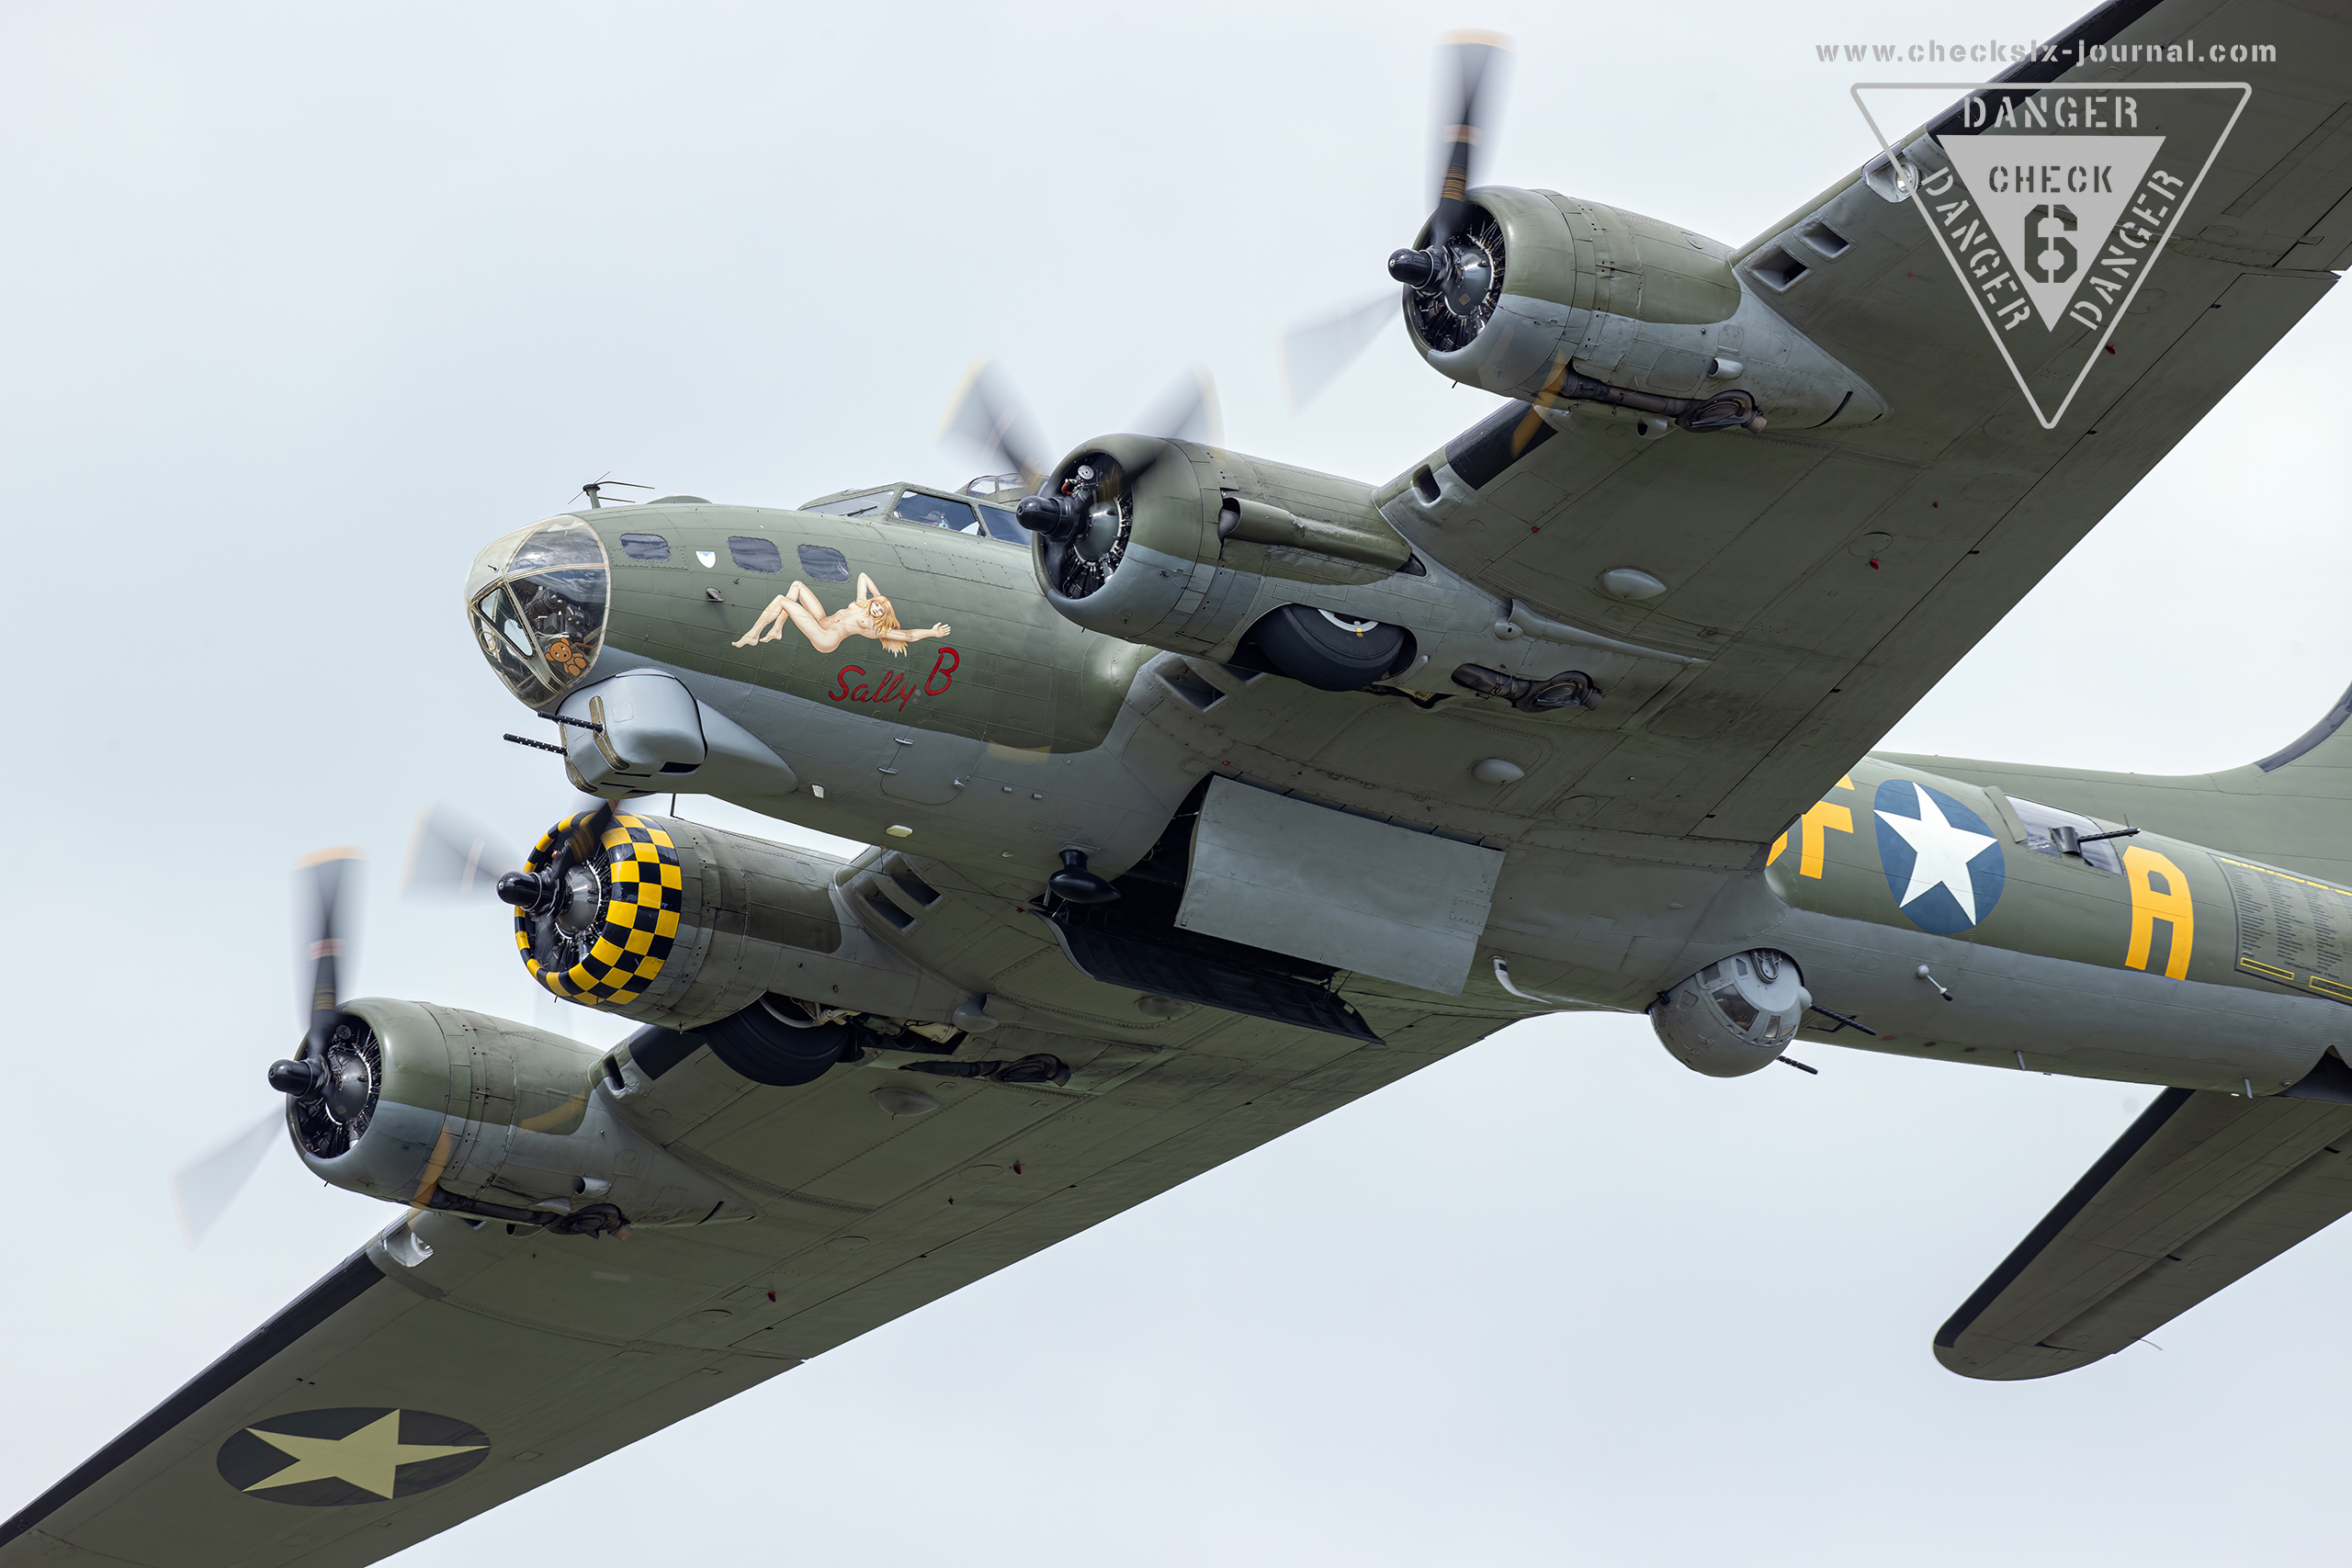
(2198, 1192)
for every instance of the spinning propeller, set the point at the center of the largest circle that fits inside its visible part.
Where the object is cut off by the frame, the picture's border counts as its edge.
(203, 1189)
(451, 854)
(1455, 271)
(1443, 263)
(988, 414)
(327, 1082)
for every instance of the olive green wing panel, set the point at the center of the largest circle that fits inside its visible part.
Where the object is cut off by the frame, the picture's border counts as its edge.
(1981, 577)
(2201, 1190)
(391, 1403)
(1831, 578)
(377, 1409)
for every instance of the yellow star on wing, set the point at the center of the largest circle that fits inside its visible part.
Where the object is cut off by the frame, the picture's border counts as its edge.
(366, 1458)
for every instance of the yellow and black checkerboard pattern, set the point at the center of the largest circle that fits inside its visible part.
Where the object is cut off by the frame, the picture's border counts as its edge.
(646, 890)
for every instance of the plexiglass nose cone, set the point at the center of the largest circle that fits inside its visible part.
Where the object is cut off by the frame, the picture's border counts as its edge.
(538, 600)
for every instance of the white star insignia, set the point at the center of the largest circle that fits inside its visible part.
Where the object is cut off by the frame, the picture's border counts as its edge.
(366, 1458)
(1940, 853)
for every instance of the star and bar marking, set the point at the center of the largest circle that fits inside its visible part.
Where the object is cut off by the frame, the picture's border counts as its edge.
(352, 1455)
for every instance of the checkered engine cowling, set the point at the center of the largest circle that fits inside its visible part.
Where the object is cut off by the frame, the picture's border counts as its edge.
(643, 893)
(684, 923)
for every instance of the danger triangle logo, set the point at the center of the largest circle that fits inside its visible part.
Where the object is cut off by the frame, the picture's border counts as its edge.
(2052, 205)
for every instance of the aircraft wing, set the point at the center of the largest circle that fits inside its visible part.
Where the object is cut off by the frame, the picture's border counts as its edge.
(2199, 1191)
(1767, 542)
(392, 1401)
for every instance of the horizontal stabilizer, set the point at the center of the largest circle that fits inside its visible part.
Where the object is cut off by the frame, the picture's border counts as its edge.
(2201, 1190)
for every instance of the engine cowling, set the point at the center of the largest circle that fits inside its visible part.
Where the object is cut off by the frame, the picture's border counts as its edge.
(674, 923)
(1204, 551)
(1577, 290)
(444, 1109)
(1736, 1015)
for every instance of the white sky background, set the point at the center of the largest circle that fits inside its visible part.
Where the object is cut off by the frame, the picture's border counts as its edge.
(303, 304)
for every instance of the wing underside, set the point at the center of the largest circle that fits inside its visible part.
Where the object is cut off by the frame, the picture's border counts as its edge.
(399, 1397)
(1829, 578)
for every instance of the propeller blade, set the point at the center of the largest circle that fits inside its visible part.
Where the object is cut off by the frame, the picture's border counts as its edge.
(986, 413)
(589, 835)
(1187, 411)
(328, 876)
(450, 854)
(1466, 62)
(203, 1189)
(1314, 353)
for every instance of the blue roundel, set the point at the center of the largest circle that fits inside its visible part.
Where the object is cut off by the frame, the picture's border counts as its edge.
(1943, 865)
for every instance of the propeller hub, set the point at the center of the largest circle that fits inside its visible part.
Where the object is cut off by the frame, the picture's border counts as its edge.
(1417, 269)
(1046, 515)
(522, 889)
(303, 1080)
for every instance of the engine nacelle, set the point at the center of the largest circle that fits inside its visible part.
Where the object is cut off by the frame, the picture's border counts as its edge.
(1736, 1015)
(684, 926)
(1577, 290)
(1204, 551)
(451, 1110)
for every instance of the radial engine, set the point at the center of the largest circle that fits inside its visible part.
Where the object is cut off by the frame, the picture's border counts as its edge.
(444, 1109)
(1544, 297)
(1206, 551)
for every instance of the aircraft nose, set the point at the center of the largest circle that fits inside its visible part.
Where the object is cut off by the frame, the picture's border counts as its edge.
(537, 599)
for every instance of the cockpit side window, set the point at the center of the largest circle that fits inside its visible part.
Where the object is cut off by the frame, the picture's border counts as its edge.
(645, 546)
(937, 511)
(1002, 526)
(875, 505)
(2059, 834)
(754, 554)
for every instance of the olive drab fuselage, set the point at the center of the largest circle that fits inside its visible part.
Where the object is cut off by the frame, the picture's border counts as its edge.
(926, 695)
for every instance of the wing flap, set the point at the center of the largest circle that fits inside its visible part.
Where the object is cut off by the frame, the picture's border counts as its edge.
(2199, 1191)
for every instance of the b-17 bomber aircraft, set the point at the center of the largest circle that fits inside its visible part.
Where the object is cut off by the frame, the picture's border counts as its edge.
(1207, 794)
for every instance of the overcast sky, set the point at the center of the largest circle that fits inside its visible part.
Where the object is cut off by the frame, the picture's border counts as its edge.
(303, 304)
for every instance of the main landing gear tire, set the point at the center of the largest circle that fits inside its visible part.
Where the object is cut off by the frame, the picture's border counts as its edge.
(757, 1043)
(1330, 652)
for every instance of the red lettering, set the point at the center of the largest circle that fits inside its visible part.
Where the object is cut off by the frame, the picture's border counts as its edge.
(863, 695)
(841, 682)
(943, 669)
(889, 688)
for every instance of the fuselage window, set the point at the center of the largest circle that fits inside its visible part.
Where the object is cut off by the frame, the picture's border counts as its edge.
(756, 555)
(824, 563)
(870, 505)
(645, 546)
(937, 511)
(1002, 526)
(2059, 834)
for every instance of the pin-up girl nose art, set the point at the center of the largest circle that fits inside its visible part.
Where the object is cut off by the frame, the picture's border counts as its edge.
(868, 614)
